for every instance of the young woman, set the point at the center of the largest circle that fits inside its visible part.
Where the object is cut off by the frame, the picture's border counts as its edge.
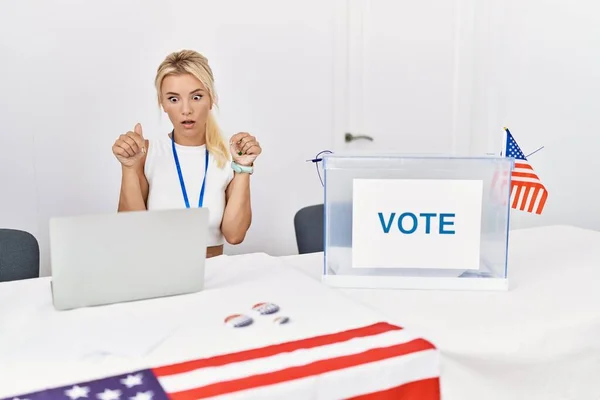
(192, 166)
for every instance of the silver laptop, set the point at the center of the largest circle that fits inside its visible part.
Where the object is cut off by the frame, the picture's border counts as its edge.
(112, 258)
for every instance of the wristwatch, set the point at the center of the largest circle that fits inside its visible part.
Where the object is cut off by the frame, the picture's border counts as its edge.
(241, 169)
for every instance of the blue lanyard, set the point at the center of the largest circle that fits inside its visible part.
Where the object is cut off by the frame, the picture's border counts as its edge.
(181, 182)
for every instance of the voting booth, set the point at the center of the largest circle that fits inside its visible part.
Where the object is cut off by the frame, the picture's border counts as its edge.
(416, 222)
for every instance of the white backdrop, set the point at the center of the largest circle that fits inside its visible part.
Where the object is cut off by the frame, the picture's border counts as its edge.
(538, 69)
(76, 74)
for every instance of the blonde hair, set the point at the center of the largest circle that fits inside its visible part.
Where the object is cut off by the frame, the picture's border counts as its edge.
(194, 63)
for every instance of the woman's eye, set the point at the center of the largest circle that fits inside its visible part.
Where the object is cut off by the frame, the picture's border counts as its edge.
(173, 99)
(197, 97)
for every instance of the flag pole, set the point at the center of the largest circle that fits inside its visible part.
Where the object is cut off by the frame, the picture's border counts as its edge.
(504, 139)
(527, 156)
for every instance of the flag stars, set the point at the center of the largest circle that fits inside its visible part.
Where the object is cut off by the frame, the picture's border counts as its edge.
(132, 380)
(77, 392)
(109, 395)
(143, 396)
(513, 149)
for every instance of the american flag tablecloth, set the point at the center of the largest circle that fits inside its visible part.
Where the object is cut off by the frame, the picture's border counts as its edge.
(379, 361)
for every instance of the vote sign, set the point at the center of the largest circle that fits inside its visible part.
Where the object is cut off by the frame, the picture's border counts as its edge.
(414, 223)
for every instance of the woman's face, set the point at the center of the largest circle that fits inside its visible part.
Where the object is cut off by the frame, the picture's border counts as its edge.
(185, 99)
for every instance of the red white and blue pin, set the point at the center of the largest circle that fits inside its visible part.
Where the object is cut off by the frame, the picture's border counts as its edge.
(281, 320)
(270, 308)
(238, 320)
(265, 308)
(241, 320)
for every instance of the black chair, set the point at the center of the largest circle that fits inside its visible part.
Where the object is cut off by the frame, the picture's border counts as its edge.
(309, 225)
(19, 255)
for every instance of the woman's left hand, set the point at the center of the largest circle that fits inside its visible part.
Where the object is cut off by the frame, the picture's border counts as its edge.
(244, 148)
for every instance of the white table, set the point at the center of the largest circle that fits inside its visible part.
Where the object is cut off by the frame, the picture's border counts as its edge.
(539, 340)
(42, 348)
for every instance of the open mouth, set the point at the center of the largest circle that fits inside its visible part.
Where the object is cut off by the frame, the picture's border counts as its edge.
(188, 123)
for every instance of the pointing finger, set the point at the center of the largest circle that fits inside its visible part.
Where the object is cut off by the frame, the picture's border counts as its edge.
(138, 130)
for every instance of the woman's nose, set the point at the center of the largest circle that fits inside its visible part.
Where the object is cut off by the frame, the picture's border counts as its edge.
(187, 109)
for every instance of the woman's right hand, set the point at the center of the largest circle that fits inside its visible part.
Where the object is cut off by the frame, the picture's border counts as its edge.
(130, 148)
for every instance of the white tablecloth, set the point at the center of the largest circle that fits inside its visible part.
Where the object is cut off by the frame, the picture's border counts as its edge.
(539, 340)
(42, 348)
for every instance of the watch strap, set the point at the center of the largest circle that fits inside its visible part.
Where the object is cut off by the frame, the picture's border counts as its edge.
(243, 169)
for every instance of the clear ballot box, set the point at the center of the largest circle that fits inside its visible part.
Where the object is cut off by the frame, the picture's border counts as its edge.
(416, 222)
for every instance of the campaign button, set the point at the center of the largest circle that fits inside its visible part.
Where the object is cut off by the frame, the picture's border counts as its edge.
(266, 308)
(281, 320)
(238, 320)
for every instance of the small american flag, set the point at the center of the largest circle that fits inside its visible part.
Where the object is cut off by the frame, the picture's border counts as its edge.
(378, 361)
(527, 191)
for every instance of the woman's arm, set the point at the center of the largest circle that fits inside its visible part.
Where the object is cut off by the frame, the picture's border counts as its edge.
(134, 189)
(131, 149)
(237, 216)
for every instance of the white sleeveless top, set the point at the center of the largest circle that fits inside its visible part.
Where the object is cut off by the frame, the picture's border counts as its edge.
(164, 188)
